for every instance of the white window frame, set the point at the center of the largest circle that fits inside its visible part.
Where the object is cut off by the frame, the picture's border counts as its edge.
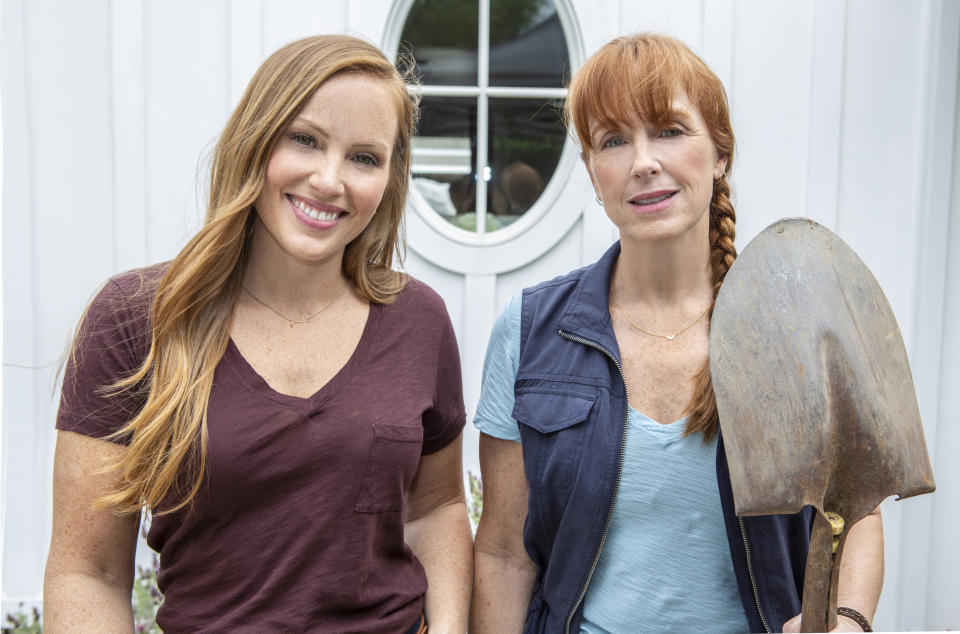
(551, 216)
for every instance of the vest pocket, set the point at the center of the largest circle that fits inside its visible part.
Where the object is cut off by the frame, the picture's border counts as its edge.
(551, 434)
(393, 461)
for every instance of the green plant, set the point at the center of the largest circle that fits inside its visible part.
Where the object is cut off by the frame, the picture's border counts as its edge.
(475, 507)
(21, 622)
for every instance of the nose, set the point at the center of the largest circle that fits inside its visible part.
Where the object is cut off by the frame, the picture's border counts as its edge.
(645, 160)
(325, 177)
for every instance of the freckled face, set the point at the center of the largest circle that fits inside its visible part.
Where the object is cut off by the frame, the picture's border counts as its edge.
(327, 173)
(656, 182)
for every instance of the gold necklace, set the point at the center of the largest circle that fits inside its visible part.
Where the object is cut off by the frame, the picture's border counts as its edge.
(656, 334)
(293, 322)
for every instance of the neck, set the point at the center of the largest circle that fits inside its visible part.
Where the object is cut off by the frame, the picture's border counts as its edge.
(294, 286)
(670, 271)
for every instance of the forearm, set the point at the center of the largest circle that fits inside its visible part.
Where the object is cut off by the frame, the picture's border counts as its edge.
(861, 566)
(80, 602)
(441, 541)
(501, 592)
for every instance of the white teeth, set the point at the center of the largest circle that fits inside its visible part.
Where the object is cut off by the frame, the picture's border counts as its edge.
(325, 216)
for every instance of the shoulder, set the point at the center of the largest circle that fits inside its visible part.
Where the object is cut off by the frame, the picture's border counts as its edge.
(417, 300)
(120, 311)
(133, 289)
(560, 283)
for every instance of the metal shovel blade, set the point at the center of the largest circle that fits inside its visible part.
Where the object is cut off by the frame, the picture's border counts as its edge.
(814, 393)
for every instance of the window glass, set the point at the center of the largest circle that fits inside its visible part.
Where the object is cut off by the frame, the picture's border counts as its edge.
(444, 157)
(519, 104)
(442, 35)
(526, 138)
(527, 46)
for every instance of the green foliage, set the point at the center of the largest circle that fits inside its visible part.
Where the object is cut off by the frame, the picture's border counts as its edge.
(475, 506)
(21, 622)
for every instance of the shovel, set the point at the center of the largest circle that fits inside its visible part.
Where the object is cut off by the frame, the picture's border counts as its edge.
(814, 394)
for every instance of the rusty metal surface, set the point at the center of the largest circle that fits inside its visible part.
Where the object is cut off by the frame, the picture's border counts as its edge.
(814, 391)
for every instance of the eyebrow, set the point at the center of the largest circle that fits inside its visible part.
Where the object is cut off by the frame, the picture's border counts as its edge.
(366, 145)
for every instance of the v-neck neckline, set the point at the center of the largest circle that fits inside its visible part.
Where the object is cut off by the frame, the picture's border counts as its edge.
(328, 390)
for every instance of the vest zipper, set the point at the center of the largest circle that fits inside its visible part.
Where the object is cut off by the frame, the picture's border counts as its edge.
(753, 580)
(616, 488)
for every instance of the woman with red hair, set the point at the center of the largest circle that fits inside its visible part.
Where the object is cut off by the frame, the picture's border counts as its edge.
(607, 498)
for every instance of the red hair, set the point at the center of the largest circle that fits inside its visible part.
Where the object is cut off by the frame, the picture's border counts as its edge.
(636, 77)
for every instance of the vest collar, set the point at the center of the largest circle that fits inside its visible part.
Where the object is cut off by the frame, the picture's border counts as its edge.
(587, 315)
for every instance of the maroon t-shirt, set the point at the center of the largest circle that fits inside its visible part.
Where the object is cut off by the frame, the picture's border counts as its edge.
(300, 523)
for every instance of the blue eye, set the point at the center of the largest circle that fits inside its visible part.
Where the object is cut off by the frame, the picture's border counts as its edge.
(614, 141)
(671, 132)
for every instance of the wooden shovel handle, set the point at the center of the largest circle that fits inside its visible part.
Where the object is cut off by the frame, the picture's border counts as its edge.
(820, 578)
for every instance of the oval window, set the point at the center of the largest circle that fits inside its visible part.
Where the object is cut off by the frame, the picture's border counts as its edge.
(492, 75)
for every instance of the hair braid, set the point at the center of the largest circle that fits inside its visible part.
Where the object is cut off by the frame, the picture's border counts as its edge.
(703, 406)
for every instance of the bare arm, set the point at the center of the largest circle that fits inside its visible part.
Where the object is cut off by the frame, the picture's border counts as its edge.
(89, 573)
(861, 573)
(438, 531)
(504, 573)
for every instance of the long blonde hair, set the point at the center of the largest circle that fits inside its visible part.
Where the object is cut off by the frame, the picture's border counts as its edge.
(637, 76)
(163, 468)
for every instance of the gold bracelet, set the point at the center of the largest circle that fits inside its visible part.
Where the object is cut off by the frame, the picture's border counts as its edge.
(861, 620)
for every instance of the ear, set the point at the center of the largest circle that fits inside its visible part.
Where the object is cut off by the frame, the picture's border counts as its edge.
(720, 167)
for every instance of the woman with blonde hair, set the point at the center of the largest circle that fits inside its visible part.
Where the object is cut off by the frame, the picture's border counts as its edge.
(607, 498)
(285, 404)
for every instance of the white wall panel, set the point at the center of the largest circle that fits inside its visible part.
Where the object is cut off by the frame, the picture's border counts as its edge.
(940, 604)
(770, 104)
(187, 48)
(247, 50)
(682, 19)
(599, 21)
(288, 20)
(127, 22)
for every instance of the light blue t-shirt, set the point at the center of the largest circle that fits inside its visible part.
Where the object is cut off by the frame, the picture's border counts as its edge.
(666, 563)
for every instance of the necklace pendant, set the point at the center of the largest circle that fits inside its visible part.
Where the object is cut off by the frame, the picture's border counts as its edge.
(671, 337)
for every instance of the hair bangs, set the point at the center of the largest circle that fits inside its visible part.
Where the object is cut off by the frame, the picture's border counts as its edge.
(637, 78)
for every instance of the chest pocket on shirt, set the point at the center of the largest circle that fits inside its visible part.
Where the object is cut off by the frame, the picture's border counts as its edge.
(394, 458)
(552, 434)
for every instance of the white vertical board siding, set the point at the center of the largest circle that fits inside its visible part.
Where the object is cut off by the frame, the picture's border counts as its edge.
(56, 220)
(770, 108)
(127, 31)
(288, 20)
(682, 19)
(246, 44)
(944, 556)
(187, 47)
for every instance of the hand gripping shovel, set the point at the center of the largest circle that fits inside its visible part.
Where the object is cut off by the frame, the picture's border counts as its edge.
(814, 393)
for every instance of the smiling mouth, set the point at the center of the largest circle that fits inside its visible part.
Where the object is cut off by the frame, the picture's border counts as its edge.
(653, 199)
(317, 214)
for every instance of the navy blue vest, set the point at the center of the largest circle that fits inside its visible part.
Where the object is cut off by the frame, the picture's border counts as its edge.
(572, 407)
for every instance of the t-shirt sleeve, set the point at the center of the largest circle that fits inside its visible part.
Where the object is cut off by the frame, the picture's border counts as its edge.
(499, 374)
(109, 345)
(443, 422)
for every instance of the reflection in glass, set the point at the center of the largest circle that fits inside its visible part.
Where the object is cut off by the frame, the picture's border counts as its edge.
(442, 35)
(526, 138)
(444, 157)
(527, 45)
